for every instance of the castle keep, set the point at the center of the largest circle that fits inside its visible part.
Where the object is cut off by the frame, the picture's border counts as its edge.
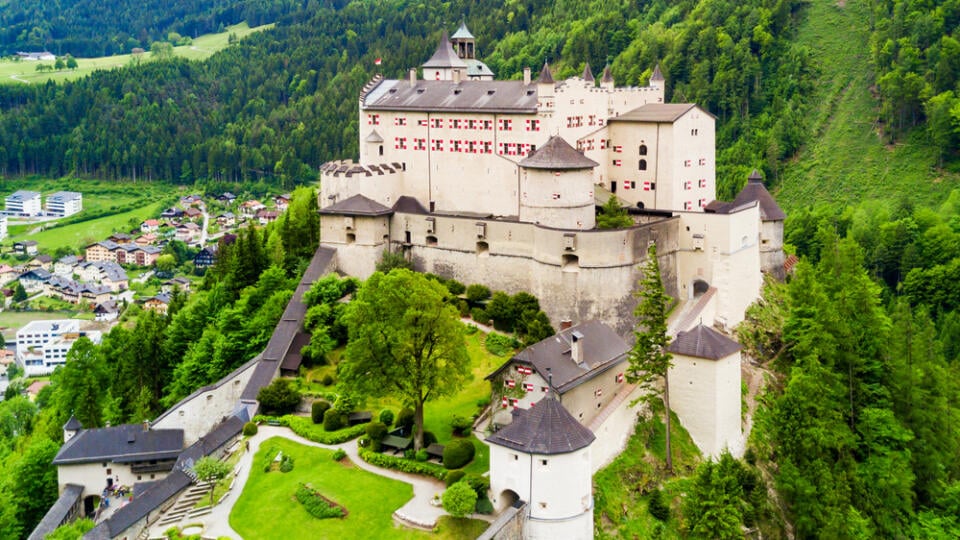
(497, 182)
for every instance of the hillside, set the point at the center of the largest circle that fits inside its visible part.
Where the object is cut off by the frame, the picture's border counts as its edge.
(847, 158)
(92, 28)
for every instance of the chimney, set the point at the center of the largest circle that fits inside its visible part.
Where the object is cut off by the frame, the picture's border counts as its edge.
(576, 347)
(456, 76)
(526, 75)
(565, 324)
(413, 76)
(146, 425)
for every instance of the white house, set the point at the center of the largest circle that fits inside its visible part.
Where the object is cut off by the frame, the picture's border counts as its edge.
(543, 459)
(64, 203)
(33, 339)
(23, 203)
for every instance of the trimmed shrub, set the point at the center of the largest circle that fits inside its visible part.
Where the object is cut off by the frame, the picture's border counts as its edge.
(421, 455)
(429, 438)
(479, 315)
(477, 293)
(376, 431)
(464, 308)
(461, 425)
(280, 396)
(339, 454)
(470, 329)
(328, 379)
(403, 465)
(458, 453)
(454, 476)
(484, 506)
(455, 287)
(249, 429)
(479, 483)
(317, 505)
(286, 464)
(459, 500)
(386, 416)
(405, 420)
(318, 409)
(305, 428)
(332, 420)
(657, 508)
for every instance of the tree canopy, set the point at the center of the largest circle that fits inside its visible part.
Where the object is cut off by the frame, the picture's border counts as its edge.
(405, 340)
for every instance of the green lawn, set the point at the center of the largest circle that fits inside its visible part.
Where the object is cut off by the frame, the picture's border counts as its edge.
(369, 499)
(846, 159)
(18, 72)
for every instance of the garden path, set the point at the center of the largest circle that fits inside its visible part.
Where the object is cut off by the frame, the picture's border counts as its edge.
(417, 512)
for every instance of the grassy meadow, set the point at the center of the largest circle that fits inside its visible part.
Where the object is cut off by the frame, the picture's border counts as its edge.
(20, 72)
(370, 500)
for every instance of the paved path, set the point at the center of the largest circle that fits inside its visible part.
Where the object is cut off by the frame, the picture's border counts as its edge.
(418, 511)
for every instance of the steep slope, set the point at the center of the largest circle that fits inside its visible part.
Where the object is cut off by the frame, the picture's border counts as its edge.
(846, 159)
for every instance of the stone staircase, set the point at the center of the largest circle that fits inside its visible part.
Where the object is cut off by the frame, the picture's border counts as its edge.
(184, 507)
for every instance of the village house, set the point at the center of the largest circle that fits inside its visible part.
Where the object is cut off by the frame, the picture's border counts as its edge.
(193, 213)
(65, 266)
(178, 283)
(8, 273)
(226, 219)
(34, 281)
(64, 203)
(158, 304)
(41, 261)
(34, 389)
(172, 212)
(249, 209)
(120, 238)
(150, 225)
(23, 203)
(101, 251)
(147, 239)
(77, 292)
(44, 56)
(106, 311)
(43, 345)
(266, 216)
(206, 257)
(25, 247)
(281, 202)
(227, 197)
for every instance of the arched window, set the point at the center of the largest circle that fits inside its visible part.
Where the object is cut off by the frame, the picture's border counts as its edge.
(643, 149)
(643, 164)
(381, 149)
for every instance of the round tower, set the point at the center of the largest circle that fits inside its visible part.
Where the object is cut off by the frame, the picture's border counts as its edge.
(540, 463)
(556, 187)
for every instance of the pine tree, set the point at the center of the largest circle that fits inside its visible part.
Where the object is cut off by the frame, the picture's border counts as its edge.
(649, 359)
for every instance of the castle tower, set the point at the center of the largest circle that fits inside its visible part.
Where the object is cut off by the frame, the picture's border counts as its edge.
(556, 187)
(705, 389)
(587, 76)
(543, 459)
(771, 224)
(71, 428)
(606, 81)
(656, 78)
(444, 65)
(464, 43)
(546, 90)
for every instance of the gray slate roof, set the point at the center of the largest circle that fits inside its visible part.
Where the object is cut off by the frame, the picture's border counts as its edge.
(465, 96)
(756, 191)
(660, 113)
(603, 349)
(607, 75)
(445, 56)
(657, 75)
(587, 74)
(545, 429)
(476, 68)
(557, 154)
(408, 205)
(358, 205)
(72, 424)
(57, 513)
(462, 33)
(121, 444)
(545, 76)
(703, 342)
(139, 507)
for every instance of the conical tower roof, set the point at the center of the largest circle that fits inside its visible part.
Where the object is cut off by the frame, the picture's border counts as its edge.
(557, 154)
(607, 75)
(657, 74)
(587, 74)
(545, 429)
(545, 76)
(72, 424)
(755, 191)
(445, 56)
(462, 33)
(703, 342)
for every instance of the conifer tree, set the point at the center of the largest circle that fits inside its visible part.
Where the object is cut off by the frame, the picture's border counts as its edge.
(649, 359)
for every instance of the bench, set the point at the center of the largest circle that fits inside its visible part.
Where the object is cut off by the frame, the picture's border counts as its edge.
(273, 422)
(396, 443)
(355, 418)
(435, 451)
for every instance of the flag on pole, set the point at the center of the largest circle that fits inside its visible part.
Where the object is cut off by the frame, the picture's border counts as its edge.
(378, 61)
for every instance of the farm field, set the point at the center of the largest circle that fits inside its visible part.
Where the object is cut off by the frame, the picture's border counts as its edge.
(19, 72)
(369, 499)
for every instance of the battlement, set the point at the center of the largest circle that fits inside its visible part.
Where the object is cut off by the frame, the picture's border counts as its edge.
(346, 168)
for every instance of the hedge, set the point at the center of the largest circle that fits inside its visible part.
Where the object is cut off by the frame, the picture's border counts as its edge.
(403, 465)
(314, 432)
(317, 505)
(458, 453)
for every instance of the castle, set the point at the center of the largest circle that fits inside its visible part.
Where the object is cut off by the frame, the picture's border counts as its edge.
(497, 182)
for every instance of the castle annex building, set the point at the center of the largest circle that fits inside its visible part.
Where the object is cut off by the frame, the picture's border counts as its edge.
(497, 182)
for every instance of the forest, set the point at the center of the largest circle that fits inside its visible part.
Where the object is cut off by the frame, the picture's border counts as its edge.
(84, 28)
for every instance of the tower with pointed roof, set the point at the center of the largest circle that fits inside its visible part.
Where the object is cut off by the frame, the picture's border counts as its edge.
(445, 64)
(705, 389)
(71, 428)
(771, 224)
(542, 459)
(556, 186)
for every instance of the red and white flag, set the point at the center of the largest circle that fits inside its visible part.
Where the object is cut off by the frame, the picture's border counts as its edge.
(378, 61)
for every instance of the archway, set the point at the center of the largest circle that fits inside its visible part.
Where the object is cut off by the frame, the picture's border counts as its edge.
(700, 287)
(507, 498)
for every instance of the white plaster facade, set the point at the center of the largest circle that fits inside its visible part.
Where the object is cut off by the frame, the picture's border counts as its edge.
(705, 394)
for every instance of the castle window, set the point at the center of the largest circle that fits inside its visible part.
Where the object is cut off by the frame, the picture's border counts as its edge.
(471, 124)
(509, 383)
(619, 378)
(431, 240)
(643, 149)
(373, 119)
(351, 238)
(688, 185)
(533, 125)
(422, 122)
(503, 403)
(483, 248)
(688, 205)
(380, 150)
(543, 462)
(488, 124)
(556, 196)
(702, 203)
(505, 124)
(455, 123)
(481, 230)
(702, 183)
(694, 132)
(544, 389)
(570, 263)
(472, 147)
(649, 186)
(400, 143)
(593, 119)
(436, 122)
(686, 163)
(419, 144)
(643, 165)
(487, 147)
(436, 145)
(455, 146)
(399, 121)
(528, 387)
(703, 161)
(618, 149)
(617, 163)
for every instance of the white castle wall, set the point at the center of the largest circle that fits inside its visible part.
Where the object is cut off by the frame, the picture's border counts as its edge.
(561, 199)
(200, 412)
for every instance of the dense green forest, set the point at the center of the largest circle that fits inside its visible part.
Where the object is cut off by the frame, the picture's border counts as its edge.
(90, 28)
(280, 103)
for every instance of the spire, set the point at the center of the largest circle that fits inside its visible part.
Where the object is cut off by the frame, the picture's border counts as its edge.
(462, 32)
(657, 74)
(755, 176)
(545, 77)
(445, 56)
(607, 75)
(587, 74)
